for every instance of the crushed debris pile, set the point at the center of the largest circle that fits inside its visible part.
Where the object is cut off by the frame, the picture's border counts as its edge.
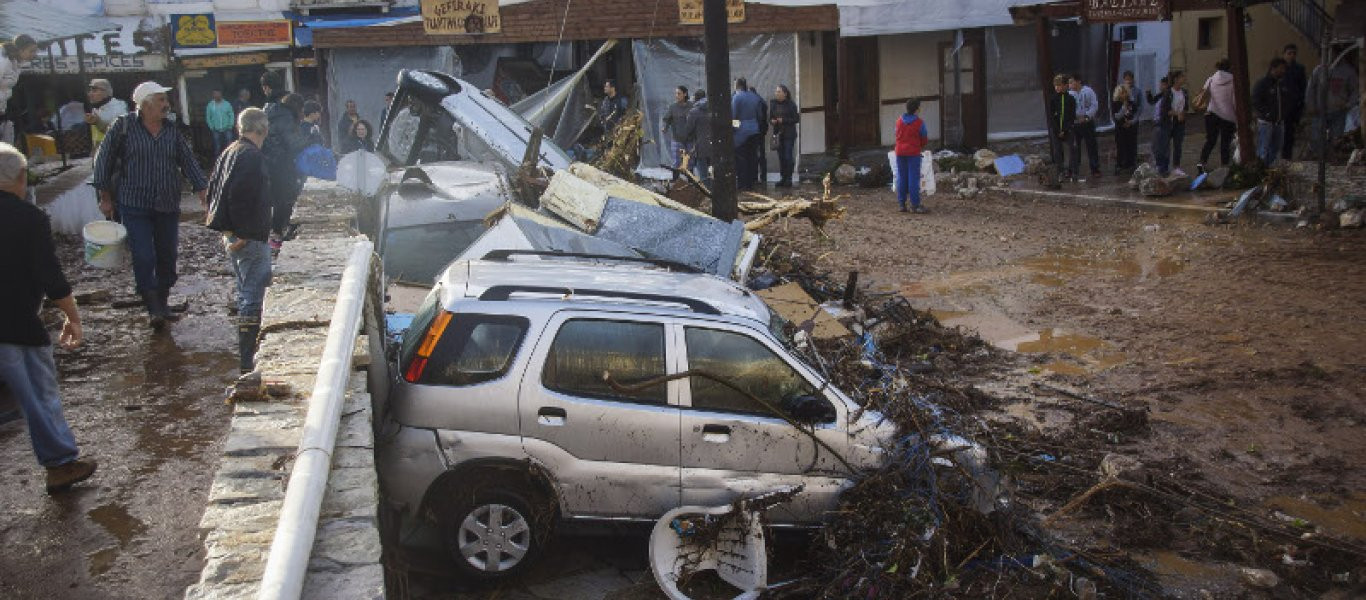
(619, 151)
(819, 211)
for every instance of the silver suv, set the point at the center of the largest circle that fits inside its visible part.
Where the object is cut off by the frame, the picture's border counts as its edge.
(501, 422)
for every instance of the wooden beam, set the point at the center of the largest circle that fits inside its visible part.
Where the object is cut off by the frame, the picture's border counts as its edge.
(845, 93)
(1242, 109)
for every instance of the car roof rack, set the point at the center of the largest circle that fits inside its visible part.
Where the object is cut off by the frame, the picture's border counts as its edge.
(504, 292)
(504, 255)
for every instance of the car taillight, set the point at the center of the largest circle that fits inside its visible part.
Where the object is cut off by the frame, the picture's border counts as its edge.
(424, 351)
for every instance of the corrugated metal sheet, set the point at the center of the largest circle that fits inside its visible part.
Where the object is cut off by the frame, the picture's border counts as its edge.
(45, 23)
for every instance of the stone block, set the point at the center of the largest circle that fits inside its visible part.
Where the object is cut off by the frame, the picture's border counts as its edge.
(355, 430)
(242, 485)
(348, 457)
(245, 516)
(357, 583)
(346, 542)
(217, 591)
(240, 440)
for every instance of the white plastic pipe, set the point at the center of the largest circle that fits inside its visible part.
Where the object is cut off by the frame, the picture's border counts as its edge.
(287, 563)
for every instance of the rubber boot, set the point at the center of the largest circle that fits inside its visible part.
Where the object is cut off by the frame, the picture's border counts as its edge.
(164, 304)
(155, 317)
(248, 328)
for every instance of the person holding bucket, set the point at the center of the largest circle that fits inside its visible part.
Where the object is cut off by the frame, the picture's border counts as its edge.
(28, 261)
(138, 169)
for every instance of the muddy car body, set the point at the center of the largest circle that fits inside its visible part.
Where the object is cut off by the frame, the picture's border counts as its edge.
(449, 149)
(498, 422)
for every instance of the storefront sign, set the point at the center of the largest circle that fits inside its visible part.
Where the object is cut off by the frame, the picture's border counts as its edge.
(458, 17)
(193, 31)
(100, 63)
(1113, 11)
(224, 60)
(233, 34)
(690, 11)
(306, 62)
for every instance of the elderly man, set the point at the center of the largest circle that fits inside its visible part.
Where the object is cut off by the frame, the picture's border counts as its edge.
(239, 206)
(29, 262)
(104, 108)
(136, 170)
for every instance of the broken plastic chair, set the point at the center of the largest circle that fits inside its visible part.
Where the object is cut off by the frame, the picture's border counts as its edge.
(727, 539)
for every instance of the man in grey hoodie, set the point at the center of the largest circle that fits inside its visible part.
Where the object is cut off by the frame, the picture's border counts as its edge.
(676, 127)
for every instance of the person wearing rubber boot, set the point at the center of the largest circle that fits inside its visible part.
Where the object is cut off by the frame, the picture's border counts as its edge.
(239, 207)
(138, 169)
(28, 261)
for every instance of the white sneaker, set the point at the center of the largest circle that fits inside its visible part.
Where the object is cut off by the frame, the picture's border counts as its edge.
(1177, 172)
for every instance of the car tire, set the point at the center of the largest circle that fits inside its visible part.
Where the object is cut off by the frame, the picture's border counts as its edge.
(492, 534)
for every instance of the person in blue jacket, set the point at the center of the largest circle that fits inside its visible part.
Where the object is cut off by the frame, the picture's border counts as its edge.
(746, 108)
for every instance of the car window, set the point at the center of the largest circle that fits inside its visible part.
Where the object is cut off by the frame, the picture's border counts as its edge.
(474, 349)
(423, 125)
(745, 362)
(586, 348)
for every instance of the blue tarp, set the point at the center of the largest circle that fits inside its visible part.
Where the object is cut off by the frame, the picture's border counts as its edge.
(303, 34)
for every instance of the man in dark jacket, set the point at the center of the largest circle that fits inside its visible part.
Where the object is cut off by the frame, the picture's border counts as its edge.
(240, 208)
(1296, 82)
(699, 131)
(675, 125)
(28, 261)
(748, 109)
(613, 107)
(282, 145)
(1271, 103)
(1062, 116)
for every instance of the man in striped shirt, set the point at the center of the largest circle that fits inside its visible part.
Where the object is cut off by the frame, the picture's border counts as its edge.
(136, 170)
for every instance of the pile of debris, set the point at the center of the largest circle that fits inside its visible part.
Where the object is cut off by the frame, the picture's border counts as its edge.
(818, 211)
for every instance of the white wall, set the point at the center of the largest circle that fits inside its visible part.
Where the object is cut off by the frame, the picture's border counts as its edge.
(907, 68)
(811, 74)
(1150, 58)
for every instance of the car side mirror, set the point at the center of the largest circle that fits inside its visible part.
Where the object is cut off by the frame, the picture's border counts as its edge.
(809, 409)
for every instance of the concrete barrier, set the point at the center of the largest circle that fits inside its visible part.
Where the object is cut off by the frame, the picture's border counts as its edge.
(247, 494)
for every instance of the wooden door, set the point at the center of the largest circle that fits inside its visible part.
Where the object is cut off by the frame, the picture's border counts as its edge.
(963, 117)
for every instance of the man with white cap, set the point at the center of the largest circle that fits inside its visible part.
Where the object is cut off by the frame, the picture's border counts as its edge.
(104, 108)
(136, 171)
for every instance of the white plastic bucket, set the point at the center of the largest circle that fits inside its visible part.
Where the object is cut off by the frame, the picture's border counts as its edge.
(105, 245)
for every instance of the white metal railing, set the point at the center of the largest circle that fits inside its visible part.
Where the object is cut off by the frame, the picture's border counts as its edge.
(287, 563)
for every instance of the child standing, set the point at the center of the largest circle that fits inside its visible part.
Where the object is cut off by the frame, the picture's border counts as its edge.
(1062, 116)
(911, 137)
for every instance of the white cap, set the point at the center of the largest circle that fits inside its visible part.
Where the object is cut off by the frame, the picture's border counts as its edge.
(146, 89)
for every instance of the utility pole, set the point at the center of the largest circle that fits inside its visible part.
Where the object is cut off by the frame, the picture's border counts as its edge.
(1242, 109)
(716, 37)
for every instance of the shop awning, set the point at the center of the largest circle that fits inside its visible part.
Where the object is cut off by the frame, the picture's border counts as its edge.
(303, 34)
(45, 23)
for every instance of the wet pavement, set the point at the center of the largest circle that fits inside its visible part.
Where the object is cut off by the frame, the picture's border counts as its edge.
(149, 407)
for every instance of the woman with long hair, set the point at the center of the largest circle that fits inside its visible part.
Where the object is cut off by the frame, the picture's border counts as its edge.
(357, 138)
(784, 116)
(1124, 104)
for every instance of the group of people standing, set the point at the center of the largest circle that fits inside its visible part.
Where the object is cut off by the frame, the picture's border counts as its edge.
(1279, 100)
(688, 125)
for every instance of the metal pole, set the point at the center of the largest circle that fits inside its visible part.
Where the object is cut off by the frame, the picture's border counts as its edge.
(716, 32)
(287, 563)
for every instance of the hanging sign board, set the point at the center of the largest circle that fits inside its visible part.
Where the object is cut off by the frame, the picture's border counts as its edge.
(460, 17)
(193, 31)
(97, 63)
(254, 33)
(1117, 11)
(224, 60)
(690, 11)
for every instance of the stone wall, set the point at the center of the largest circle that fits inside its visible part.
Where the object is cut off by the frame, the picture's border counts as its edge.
(248, 491)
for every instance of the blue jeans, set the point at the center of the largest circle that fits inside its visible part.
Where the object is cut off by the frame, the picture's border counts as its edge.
(251, 265)
(31, 376)
(221, 139)
(908, 180)
(676, 150)
(153, 239)
(701, 167)
(1167, 146)
(1269, 137)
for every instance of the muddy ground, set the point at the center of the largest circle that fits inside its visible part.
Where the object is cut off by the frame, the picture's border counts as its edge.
(1241, 343)
(149, 407)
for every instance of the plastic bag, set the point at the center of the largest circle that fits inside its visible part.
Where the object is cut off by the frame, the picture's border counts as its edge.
(318, 162)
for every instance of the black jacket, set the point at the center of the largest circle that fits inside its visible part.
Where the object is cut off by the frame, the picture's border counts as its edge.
(787, 111)
(284, 141)
(699, 129)
(676, 121)
(237, 192)
(1296, 83)
(1271, 99)
(28, 263)
(1062, 113)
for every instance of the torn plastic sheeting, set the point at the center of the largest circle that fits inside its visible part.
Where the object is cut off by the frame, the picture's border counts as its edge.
(703, 242)
(560, 110)
(365, 74)
(1010, 165)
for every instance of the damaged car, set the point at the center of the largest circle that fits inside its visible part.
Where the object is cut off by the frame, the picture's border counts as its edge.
(535, 390)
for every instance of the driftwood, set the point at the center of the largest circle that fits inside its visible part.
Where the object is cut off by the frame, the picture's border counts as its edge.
(818, 211)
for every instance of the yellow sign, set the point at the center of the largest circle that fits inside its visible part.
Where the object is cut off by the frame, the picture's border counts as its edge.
(690, 11)
(194, 30)
(225, 60)
(458, 17)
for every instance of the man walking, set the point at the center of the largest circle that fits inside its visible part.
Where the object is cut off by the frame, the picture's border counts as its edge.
(746, 108)
(1270, 103)
(1296, 82)
(219, 116)
(29, 265)
(136, 169)
(675, 125)
(699, 132)
(1062, 116)
(239, 207)
(1085, 129)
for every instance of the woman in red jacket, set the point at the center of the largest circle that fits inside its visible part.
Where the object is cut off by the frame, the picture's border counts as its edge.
(911, 137)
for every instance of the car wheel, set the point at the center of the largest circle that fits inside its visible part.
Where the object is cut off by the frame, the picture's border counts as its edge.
(492, 535)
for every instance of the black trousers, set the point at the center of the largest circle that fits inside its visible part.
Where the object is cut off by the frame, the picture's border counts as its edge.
(1288, 141)
(1217, 130)
(1085, 133)
(746, 163)
(1126, 146)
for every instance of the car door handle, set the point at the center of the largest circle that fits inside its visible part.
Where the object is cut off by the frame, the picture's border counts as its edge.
(716, 434)
(551, 416)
